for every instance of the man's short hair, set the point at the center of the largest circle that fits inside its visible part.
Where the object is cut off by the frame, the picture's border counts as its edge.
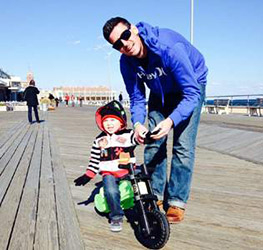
(32, 83)
(111, 23)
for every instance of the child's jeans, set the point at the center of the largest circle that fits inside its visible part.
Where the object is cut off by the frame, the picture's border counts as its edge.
(112, 194)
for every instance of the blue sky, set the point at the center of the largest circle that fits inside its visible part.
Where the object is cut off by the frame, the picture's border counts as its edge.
(61, 40)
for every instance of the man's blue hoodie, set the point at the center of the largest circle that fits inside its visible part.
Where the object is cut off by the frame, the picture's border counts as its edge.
(175, 66)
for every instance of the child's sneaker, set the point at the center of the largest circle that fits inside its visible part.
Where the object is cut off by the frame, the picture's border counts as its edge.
(116, 226)
(175, 214)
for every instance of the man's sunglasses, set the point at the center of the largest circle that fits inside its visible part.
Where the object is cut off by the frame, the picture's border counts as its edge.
(125, 35)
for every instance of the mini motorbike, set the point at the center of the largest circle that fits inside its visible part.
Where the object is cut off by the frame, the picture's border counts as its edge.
(150, 224)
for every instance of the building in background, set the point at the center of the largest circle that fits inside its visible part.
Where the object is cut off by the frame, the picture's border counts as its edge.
(29, 76)
(90, 94)
(10, 87)
(4, 84)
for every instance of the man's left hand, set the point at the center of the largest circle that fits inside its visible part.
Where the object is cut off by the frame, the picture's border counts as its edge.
(164, 127)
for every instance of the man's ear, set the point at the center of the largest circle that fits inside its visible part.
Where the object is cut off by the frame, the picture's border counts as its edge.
(134, 29)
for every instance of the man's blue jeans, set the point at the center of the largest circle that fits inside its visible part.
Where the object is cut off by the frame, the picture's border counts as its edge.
(112, 194)
(175, 191)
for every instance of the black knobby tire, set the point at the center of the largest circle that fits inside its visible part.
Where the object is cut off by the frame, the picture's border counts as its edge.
(159, 228)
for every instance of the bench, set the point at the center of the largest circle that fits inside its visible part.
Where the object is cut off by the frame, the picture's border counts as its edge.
(220, 106)
(255, 109)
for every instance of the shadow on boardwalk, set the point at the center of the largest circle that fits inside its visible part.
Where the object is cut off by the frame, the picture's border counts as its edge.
(225, 207)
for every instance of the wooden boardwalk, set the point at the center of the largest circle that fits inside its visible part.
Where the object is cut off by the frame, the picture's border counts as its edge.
(36, 206)
(36, 185)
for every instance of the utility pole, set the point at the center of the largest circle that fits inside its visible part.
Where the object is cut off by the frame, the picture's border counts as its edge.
(192, 22)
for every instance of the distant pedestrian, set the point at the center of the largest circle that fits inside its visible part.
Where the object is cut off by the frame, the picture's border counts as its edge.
(81, 98)
(120, 97)
(67, 99)
(30, 96)
(57, 101)
(51, 98)
(72, 100)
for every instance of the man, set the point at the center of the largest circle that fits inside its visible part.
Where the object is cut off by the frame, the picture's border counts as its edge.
(30, 96)
(120, 97)
(175, 73)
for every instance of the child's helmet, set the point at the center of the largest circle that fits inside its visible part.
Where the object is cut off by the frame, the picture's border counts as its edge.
(112, 109)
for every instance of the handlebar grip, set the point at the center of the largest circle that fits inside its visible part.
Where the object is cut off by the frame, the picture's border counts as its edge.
(148, 139)
(126, 166)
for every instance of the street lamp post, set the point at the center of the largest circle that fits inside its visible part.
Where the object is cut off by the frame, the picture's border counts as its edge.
(192, 22)
(109, 71)
(108, 57)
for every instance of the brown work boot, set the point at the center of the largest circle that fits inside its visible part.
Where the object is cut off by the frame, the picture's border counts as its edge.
(175, 214)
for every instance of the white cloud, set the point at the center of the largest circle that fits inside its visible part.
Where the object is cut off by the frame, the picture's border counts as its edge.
(102, 46)
(75, 42)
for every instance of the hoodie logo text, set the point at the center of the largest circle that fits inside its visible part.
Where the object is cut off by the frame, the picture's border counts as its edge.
(158, 72)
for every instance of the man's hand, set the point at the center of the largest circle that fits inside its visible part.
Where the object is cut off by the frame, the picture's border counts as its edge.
(82, 180)
(148, 137)
(164, 127)
(140, 132)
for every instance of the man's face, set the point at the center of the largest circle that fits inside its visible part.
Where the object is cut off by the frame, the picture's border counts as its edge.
(131, 47)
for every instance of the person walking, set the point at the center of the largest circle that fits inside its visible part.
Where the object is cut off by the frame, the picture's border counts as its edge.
(120, 97)
(30, 96)
(81, 98)
(67, 99)
(57, 101)
(72, 100)
(176, 74)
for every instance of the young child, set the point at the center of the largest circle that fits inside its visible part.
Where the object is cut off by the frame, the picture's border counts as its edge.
(114, 140)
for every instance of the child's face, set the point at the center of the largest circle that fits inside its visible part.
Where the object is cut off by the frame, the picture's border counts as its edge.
(111, 125)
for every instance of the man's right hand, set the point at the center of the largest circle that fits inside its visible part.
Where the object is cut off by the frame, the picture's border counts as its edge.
(140, 132)
(82, 180)
(148, 137)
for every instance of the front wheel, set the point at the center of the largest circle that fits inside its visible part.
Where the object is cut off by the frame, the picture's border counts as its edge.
(159, 230)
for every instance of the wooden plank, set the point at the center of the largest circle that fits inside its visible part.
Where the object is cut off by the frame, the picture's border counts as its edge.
(10, 132)
(9, 148)
(46, 227)
(24, 230)
(9, 163)
(11, 202)
(8, 120)
(12, 139)
(69, 233)
(236, 142)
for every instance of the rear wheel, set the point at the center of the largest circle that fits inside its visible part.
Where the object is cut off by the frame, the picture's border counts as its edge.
(159, 230)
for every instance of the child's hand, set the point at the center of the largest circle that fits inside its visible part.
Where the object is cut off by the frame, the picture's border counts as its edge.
(140, 132)
(82, 180)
